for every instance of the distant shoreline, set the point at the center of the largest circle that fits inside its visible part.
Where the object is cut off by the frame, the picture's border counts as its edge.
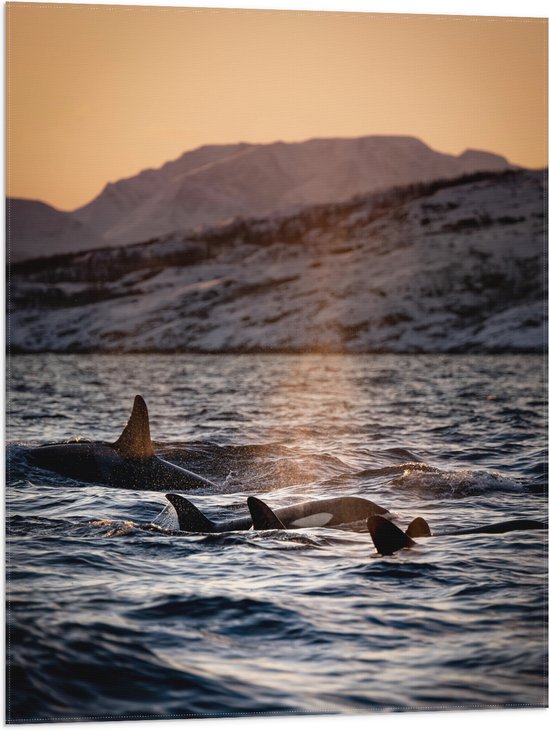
(280, 351)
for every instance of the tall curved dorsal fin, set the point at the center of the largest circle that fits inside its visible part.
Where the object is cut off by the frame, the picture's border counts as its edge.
(386, 536)
(263, 517)
(190, 518)
(135, 440)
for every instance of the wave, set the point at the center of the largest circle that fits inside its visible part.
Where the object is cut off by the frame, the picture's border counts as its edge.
(432, 481)
(56, 668)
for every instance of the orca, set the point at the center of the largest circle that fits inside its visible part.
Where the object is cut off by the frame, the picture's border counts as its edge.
(191, 519)
(316, 513)
(129, 462)
(388, 538)
(313, 513)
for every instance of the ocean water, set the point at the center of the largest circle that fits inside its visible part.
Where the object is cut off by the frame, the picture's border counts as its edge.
(111, 616)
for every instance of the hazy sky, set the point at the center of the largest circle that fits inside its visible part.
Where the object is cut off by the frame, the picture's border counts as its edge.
(96, 93)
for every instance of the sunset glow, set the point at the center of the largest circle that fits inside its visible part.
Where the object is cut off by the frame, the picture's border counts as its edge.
(96, 93)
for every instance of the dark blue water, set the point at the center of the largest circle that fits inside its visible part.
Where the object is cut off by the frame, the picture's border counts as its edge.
(112, 617)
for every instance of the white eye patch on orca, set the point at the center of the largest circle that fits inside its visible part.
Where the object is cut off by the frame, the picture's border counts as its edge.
(315, 513)
(320, 519)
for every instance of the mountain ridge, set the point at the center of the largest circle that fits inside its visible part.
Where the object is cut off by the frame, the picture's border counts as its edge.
(444, 266)
(33, 226)
(214, 183)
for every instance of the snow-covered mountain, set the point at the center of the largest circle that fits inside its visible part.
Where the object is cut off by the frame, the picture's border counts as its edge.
(447, 266)
(126, 211)
(213, 184)
(35, 229)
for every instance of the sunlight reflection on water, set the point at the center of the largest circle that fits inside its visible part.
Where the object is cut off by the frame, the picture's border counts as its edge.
(182, 620)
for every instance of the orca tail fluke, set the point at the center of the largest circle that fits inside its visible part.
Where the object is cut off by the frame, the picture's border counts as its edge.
(135, 441)
(386, 536)
(263, 517)
(190, 518)
(418, 528)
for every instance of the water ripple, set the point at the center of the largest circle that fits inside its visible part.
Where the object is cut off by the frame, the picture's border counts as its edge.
(115, 613)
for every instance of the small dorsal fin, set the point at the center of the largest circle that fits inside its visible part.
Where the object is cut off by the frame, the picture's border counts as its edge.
(263, 517)
(418, 528)
(386, 536)
(190, 518)
(135, 440)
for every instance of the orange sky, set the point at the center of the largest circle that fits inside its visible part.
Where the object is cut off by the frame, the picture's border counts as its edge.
(96, 93)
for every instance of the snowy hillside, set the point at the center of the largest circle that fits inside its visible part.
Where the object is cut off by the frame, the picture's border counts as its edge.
(212, 184)
(120, 210)
(437, 267)
(36, 229)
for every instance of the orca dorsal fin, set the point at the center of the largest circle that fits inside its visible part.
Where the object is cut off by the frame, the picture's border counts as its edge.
(190, 518)
(386, 536)
(135, 441)
(263, 517)
(418, 528)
